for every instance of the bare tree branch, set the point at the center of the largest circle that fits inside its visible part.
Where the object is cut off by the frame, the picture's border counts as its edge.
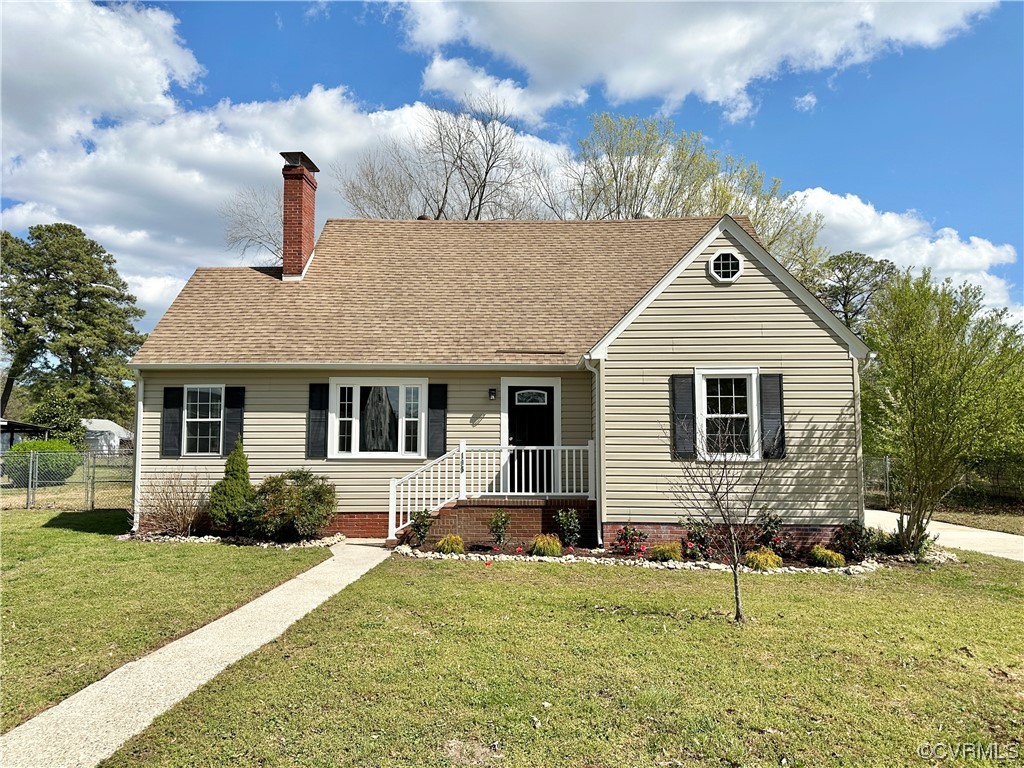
(253, 224)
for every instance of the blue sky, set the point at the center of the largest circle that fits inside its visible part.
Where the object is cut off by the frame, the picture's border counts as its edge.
(903, 124)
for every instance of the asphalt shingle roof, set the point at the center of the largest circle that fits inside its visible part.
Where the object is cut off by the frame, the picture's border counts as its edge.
(428, 292)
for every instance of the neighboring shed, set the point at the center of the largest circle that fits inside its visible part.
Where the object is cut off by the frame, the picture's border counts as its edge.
(104, 435)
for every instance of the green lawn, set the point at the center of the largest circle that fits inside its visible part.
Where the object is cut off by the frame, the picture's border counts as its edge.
(77, 604)
(428, 663)
(989, 519)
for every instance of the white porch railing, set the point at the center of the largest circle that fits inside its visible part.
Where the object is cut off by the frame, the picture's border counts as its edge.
(491, 470)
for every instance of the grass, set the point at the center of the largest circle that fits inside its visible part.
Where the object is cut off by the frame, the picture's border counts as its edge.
(441, 663)
(1004, 515)
(77, 604)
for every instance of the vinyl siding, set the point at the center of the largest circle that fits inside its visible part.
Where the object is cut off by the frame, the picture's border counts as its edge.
(755, 322)
(275, 427)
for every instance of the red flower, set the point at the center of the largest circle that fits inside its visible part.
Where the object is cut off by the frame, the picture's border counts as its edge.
(519, 550)
(496, 548)
(572, 549)
(776, 540)
(689, 544)
(488, 563)
(643, 547)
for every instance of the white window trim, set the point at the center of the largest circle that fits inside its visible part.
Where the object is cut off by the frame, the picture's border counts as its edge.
(753, 397)
(719, 252)
(372, 381)
(185, 420)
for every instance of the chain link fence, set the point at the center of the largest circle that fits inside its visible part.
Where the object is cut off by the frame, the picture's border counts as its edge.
(987, 479)
(70, 481)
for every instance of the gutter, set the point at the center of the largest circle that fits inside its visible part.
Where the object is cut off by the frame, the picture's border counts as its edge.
(586, 360)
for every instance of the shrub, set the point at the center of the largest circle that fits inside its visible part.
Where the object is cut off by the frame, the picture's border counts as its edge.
(569, 525)
(825, 558)
(419, 527)
(628, 540)
(230, 497)
(56, 461)
(762, 559)
(856, 542)
(289, 507)
(175, 504)
(699, 542)
(771, 533)
(499, 525)
(450, 545)
(662, 553)
(546, 545)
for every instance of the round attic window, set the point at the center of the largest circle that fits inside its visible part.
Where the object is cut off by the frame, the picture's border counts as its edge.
(726, 267)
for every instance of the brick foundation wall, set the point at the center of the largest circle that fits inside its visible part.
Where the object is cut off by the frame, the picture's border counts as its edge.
(803, 536)
(358, 526)
(471, 519)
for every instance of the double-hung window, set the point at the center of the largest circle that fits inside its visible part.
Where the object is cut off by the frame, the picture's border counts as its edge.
(727, 416)
(203, 422)
(377, 418)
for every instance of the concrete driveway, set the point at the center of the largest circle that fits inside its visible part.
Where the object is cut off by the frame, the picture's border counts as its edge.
(958, 536)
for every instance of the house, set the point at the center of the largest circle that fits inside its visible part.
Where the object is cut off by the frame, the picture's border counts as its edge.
(532, 365)
(105, 436)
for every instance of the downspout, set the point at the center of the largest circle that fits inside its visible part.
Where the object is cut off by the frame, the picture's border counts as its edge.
(136, 500)
(598, 427)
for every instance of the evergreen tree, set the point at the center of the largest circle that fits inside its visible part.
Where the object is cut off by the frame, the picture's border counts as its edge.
(67, 321)
(230, 497)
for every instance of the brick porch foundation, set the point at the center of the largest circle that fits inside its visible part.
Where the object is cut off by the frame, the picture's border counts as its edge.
(803, 536)
(471, 519)
(357, 525)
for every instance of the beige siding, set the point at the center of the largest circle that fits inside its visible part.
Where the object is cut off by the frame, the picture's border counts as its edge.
(696, 323)
(275, 426)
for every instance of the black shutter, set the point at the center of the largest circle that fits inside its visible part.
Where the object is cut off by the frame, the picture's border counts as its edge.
(234, 417)
(682, 410)
(773, 428)
(437, 420)
(170, 421)
(316, 422)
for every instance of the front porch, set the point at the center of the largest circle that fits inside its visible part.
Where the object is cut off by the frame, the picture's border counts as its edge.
(527, 477)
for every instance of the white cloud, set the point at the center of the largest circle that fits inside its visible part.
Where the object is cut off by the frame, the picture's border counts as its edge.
(908, 240)
(316, 10)
(68, 64)
(461, 81)
(673, 50)
(154, 293)
(806, 103)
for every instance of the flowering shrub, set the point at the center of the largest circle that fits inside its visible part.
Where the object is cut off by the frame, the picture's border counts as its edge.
(698, 542)
(629, 540)
(771, 533)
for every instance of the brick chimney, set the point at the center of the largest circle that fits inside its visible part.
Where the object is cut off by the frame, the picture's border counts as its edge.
(299, 214)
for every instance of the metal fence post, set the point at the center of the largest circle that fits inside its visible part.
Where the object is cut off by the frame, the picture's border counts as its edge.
(33, 466)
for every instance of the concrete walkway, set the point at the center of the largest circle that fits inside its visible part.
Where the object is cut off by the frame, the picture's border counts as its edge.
(995, 543)
(91, 725)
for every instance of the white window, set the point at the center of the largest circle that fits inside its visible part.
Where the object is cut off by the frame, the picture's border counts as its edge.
(203, 422)
(377, 418)
(531, 397)
(726, 266)
(727, 414)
